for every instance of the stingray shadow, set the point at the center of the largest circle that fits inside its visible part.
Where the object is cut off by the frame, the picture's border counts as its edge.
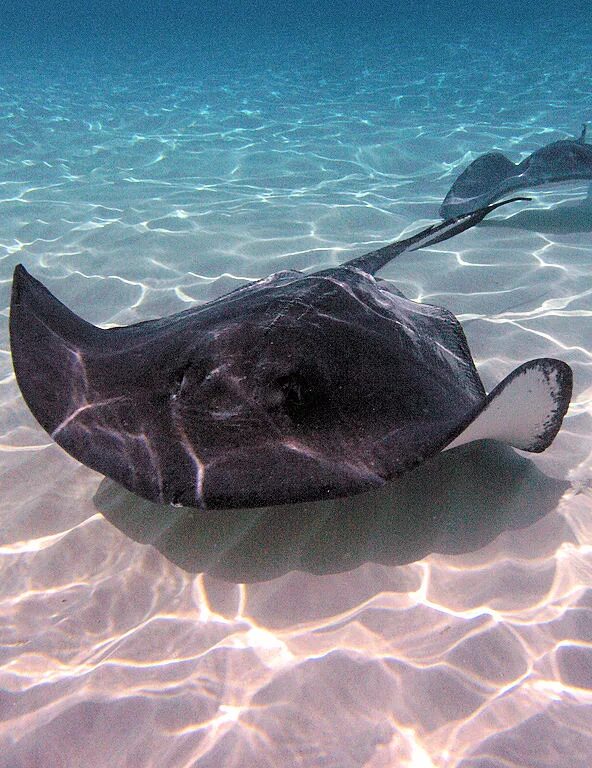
(563, 218)
(456, 503)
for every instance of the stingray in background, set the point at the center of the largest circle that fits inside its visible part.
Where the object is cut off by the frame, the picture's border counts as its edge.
(297, 387)
(492, 175)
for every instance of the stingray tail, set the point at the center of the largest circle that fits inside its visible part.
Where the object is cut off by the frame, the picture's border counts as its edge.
(375, 260)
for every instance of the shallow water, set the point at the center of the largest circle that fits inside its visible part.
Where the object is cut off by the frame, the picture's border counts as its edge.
(445, 621)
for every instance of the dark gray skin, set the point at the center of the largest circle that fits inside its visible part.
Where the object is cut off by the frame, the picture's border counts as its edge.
(297, 387)
(493, 176)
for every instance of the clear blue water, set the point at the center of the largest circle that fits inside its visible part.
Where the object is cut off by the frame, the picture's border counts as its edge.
(150, 159)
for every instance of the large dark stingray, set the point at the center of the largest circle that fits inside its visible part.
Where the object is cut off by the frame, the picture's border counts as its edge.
(294, 388)
(493, 176)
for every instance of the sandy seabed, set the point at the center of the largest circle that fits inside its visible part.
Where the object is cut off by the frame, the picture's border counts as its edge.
(444, 622)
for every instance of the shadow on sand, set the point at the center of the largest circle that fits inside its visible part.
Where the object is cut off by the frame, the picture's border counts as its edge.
(456, 503)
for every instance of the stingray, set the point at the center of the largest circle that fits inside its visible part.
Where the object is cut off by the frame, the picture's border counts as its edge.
(294, 388)
(492, 176)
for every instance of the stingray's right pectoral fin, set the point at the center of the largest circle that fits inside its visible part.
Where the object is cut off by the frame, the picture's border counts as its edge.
(526, 409)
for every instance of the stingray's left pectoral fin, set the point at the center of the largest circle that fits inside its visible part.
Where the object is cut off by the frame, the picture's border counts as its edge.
(46, 338)
(526, 409)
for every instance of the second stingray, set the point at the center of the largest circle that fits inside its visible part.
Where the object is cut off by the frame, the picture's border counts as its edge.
(492, 176)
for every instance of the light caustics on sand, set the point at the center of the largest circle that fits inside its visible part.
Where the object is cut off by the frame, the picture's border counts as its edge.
(503, 658)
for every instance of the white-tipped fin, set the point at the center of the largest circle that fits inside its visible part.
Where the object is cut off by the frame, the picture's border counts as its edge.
(525, 409)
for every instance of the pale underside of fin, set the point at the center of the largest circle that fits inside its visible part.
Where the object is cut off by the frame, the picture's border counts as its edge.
(526, 409)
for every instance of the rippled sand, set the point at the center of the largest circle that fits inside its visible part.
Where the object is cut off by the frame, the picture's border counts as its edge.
(444, 622)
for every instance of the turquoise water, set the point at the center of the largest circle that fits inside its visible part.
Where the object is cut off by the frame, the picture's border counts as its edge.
(445, 622)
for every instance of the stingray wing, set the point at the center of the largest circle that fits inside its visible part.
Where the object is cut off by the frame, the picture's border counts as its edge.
(99, 392)
(486, 179)
(525, 410)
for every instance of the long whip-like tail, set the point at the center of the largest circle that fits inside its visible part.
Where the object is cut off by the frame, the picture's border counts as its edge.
(375, 260)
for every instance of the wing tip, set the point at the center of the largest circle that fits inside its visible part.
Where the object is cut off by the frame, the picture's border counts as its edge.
(32, 303)
(542, 390)
(21, 279)
(558, 377)
(526, 409)
(551, 379)
(31, 296)
(45, 340)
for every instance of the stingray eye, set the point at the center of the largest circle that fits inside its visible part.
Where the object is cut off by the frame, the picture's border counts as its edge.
(301, 397)
(189, 374)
